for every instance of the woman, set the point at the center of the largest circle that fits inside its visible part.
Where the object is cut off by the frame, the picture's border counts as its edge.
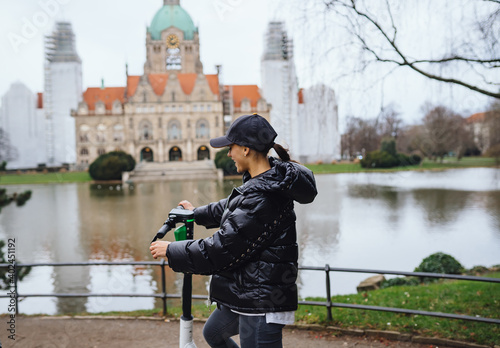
(253, 256)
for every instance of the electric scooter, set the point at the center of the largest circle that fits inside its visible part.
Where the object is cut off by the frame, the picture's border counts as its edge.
(184, 232)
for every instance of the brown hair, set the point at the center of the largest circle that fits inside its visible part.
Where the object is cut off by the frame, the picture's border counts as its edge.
(283, 153)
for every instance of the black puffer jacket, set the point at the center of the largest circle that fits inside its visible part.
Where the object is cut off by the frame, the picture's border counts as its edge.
(253, 256)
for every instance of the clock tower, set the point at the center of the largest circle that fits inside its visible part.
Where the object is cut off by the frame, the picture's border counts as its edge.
(172, 42)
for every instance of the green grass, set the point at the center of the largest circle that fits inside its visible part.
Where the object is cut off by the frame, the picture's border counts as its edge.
(41, 178)
(448, 163)
(456, 297)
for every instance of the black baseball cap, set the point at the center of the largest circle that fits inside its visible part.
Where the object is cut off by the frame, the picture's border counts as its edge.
(252, 131)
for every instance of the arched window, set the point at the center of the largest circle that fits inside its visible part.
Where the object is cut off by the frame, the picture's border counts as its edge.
(118, 132)
(246, 106)
(101, 151)
(203, 153)
(202, 129)
(84, 133)
(101, 133)
(174, 130)
(175, 154)
(84, 151)
(145, 130)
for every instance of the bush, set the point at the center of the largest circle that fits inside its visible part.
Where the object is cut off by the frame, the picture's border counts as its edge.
(111, 165)
(439, 263)
(408, 281)
(389, 145)
(379, 159)
(225, 163)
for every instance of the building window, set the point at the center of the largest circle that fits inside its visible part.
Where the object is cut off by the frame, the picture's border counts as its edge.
(146, 130)
(202, 129)
(84, 130)
(84, 151)
(101, 133)
(173, 108)
(202, 108)
(152, 109)
(195, 107)
(174, 130)
(118, 132)
(180, 108)
(167, 108)
(209, 107)
(101, 151)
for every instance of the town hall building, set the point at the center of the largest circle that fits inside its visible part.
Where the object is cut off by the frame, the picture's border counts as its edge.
(170, 112)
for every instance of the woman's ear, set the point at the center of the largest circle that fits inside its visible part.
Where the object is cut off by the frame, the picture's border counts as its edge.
(246, 150)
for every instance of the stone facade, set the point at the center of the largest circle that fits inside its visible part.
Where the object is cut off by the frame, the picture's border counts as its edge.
(170, 112)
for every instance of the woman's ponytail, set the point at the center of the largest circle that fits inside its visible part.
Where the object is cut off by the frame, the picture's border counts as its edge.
(282, 152)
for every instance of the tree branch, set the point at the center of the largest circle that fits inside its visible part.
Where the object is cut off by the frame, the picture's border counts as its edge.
(412, 64)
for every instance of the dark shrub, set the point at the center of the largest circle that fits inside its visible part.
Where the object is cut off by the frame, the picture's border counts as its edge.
(379, 159)
(408, 281)
(439, 263)
(389, 145)
(225, 163)
(111, 165)
(415, 159)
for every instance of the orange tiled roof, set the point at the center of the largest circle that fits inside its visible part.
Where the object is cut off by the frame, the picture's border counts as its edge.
(241, 92)
(39, 101)
(479, 117)
(187, 82)
(132, 83)
(159, 82)
(213, 82)
(107, 95)
(301, 96)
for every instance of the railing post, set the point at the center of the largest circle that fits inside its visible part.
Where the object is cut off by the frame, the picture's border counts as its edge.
(164, 287)
(16, 294)
(328, 294)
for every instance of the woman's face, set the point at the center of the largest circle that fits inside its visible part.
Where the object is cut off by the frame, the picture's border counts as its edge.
(237, 154)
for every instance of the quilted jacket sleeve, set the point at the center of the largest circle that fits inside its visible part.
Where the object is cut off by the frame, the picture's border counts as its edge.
(210, 215)
(242, 234)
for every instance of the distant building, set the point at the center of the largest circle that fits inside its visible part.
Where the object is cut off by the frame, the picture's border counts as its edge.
(485, 128)
(170, 112)
(22, 118)
(280, 86)
(62, 93)
(306, 120)
(317, 117)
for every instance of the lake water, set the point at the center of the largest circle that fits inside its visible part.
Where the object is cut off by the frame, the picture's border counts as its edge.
(387, 221)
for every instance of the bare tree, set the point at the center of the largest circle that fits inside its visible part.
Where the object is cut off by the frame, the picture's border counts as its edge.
(442, 128)
(468, 56)
(361, 136)
(390, 122)
(7, 151)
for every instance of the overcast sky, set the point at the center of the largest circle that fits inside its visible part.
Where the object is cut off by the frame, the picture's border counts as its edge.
(111, 33)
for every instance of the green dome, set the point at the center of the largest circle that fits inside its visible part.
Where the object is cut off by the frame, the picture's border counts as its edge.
(172, 15)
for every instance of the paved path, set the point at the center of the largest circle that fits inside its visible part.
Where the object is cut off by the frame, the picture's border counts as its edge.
(54, 332)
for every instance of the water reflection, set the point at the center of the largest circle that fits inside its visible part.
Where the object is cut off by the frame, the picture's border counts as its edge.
(357, 221)
(441, 206)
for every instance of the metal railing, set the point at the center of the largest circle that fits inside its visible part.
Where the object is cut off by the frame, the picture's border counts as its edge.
(327, 269)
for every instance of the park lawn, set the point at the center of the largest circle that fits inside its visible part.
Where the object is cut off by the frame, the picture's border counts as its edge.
(457, 297)
(44, 178)
(342, 167)
(448, 163)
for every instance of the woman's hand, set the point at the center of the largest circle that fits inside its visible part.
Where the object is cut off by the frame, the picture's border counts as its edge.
(187, 205)
(159, 249)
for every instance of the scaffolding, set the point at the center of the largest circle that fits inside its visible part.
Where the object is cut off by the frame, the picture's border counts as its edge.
(59, 48)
